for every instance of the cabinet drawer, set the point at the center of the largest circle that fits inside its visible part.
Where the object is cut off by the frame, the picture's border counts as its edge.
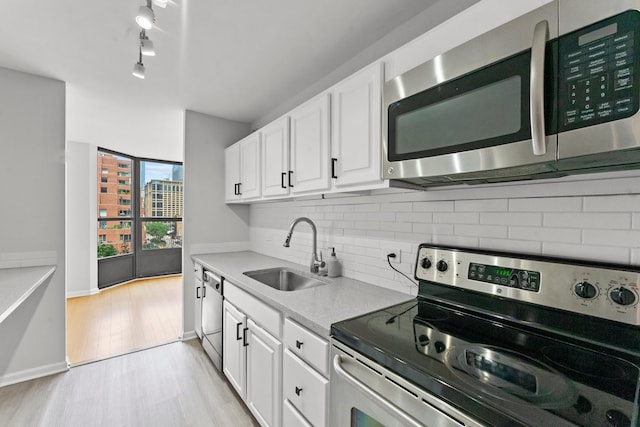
(264, 315)
(291, 417)
(307, 390)
(307, 345)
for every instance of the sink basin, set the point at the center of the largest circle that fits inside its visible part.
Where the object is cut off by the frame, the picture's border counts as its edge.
(285, 279)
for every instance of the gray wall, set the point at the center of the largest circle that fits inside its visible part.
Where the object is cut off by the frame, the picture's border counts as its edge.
(32, 221)
(210, 225)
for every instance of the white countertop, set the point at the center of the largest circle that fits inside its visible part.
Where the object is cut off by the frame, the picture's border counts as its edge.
(16, 284)
(315, 308)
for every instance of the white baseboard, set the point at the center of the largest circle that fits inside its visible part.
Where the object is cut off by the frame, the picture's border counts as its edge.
(189, 335)
(30, 374)
(75, 294)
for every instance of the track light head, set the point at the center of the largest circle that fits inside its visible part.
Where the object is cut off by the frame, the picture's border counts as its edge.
(146, 45)
(138, 70)
(145, 17)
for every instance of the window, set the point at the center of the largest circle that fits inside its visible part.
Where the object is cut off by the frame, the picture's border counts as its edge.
(124, 174)
(103, 225)
(105, 171)
(104, 179)
(102, 238)
(103, 213)
(123, 191)
(103, 189)
(123, 182)
(125, 237)
(124, 202)
(124, 212)
(124, 165)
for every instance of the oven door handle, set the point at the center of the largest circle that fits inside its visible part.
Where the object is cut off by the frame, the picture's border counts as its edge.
(386, 404)
(536, 88)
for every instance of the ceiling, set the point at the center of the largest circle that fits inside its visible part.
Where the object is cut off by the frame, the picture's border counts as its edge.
(213, 56)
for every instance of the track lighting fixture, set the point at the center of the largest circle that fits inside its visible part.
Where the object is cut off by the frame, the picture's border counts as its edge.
(145, 17)
(146, 45)
(138, 68)
(161, 3)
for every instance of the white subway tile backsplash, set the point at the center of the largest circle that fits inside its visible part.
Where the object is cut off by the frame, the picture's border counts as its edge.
(511, 218)
(630, 239)
(446, 206)
(493, 205)
(396, 207)
(588, 220)
(588, 252)
(546, 204)
(457, 218)
(361, 226)
(511, 245)
(480, 230)
(421, 217)
(619, 203)
(545, 234)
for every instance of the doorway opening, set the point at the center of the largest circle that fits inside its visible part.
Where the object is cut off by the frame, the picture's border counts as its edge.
(139, 236)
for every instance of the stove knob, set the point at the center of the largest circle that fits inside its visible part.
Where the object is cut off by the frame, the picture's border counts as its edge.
(617, 419)
(425, 263)
(622, 296)
(440, 346)
(585, 290)
(442, 266)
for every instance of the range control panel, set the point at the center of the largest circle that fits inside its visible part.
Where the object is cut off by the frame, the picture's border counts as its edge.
(599, 72)
(601, 291)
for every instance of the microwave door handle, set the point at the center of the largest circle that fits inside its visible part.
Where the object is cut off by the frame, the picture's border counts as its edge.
(536, 87)
(389, 406)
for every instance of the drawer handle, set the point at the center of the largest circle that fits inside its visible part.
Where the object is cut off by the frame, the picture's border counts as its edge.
(198, 292)
(298, 391)
(238, 337)
(244, 337)
(299, 344)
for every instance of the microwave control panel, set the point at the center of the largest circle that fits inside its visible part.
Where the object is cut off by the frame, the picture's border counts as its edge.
(598, 72)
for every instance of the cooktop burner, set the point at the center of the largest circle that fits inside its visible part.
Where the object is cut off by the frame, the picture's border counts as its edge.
(504, 361)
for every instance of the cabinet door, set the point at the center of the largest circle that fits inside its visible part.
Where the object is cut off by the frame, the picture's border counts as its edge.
(275, 158)
(250, 167)
(264, 361)
(231, 172)
(356, 107)
(234, 355)
(310, 146)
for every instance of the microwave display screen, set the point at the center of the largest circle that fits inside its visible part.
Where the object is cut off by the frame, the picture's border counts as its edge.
(487, 112)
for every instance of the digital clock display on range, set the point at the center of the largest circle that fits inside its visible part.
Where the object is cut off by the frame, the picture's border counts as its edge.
(505, 276)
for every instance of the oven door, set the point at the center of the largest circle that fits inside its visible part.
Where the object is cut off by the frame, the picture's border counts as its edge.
(364, 393)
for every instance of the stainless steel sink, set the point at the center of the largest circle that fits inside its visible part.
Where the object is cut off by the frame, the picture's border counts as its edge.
(284, 279)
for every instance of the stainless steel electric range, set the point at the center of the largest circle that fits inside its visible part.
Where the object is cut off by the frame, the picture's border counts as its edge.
(494, 339)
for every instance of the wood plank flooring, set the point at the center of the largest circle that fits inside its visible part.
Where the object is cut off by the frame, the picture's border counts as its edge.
(170, 385)
(129, 317)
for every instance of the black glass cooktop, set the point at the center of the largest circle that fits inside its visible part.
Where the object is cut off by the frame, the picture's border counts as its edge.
(503, 372)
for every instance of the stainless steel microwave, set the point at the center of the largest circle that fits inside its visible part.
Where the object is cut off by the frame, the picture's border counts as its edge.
(551, 93)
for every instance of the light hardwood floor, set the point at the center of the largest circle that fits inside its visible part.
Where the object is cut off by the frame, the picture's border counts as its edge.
(124, 318)
(170, 385)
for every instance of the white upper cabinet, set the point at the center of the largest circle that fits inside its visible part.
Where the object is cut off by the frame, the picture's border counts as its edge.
(275, 158)
(356, 109)
(232, 172)
(310, 134)
(242, 169)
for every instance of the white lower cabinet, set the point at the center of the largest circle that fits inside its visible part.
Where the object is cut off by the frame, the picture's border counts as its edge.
(305, 367)
(198, 299)
(252, 356)
(307, 390)
(292, 418)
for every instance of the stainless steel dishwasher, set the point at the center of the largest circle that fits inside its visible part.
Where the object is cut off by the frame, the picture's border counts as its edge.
(212, 317)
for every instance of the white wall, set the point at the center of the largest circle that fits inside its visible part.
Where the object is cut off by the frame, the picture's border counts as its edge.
(32, 222)
(137, 129)
(210, 225)
(82, 260)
